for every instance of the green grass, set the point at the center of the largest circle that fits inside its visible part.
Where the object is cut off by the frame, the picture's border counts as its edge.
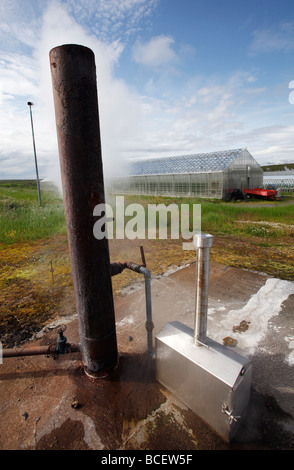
(30, 297)
(228, 218)
(22, 218)
(219, 217)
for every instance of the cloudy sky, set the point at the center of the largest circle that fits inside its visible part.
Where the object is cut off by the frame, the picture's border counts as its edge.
(174, 77)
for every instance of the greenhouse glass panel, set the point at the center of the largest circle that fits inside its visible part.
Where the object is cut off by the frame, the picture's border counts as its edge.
(210, 175)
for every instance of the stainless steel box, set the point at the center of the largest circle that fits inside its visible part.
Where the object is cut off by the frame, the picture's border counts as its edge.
(211, 379)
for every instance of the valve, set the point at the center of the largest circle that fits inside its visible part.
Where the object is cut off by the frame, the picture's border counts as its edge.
(226, 410)
(61, 346)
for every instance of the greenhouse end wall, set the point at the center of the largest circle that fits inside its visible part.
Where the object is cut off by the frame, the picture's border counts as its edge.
(243, 173)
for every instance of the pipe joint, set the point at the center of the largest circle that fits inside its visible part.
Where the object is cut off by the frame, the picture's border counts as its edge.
(149, 325)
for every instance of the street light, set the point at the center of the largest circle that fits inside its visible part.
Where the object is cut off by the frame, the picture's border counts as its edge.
(36, 165)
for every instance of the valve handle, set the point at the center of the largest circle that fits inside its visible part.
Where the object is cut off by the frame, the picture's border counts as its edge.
(226, 410)
(60, 329)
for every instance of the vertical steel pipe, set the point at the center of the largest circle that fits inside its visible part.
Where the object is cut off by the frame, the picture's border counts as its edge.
(203, 243)
(73, 74)
(117, 268)
(149, 323)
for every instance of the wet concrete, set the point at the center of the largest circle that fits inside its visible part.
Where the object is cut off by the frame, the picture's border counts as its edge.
(50, 404)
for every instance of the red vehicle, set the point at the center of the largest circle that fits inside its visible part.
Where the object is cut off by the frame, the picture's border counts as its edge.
(260, 192)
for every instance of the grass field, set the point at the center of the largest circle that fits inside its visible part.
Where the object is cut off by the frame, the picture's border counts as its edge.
(35, 273)
(22, 217)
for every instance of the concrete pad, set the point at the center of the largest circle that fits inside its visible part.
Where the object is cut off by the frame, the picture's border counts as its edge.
(48, 403)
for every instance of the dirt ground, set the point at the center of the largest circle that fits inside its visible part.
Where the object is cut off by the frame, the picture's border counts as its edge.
(36, 283)
(50, 404)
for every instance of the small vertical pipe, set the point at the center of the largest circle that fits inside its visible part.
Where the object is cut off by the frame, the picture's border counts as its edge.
(143, 256)
(73, 74)
(203, 243)
(149, 323)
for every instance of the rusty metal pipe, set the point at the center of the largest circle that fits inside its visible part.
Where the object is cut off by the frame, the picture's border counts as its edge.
(37, 350)
(203, 243)
(73, 74)
(117, 268)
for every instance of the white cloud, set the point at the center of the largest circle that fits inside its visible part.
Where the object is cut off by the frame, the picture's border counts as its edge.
(28, 77)
(201, 114)
(157, 52)
(17, 75)
(112, 19)
(218, 115)
(267, 143)
(32, 29)
(118, 107)
(275, 39)
(222, 109)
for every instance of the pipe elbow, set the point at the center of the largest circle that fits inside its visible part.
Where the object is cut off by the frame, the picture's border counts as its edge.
(146, 272)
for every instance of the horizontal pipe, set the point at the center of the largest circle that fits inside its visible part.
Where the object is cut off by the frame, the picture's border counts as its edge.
(38, 350)
(117, 268)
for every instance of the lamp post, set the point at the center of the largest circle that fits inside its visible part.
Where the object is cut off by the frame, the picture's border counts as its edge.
(35, 155)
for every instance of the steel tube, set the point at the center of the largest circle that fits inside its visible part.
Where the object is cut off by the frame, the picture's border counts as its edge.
(147, 276)
(203, 243)
(149, 323)
(117, 268)
(73, 74)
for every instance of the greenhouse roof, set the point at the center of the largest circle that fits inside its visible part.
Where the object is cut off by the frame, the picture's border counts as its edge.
(198, 163)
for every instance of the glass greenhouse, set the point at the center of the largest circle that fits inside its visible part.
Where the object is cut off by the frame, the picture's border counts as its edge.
(209, 175)
(284, 182)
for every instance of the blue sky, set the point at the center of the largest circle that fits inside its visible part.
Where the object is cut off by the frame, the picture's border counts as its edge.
(174, 77)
